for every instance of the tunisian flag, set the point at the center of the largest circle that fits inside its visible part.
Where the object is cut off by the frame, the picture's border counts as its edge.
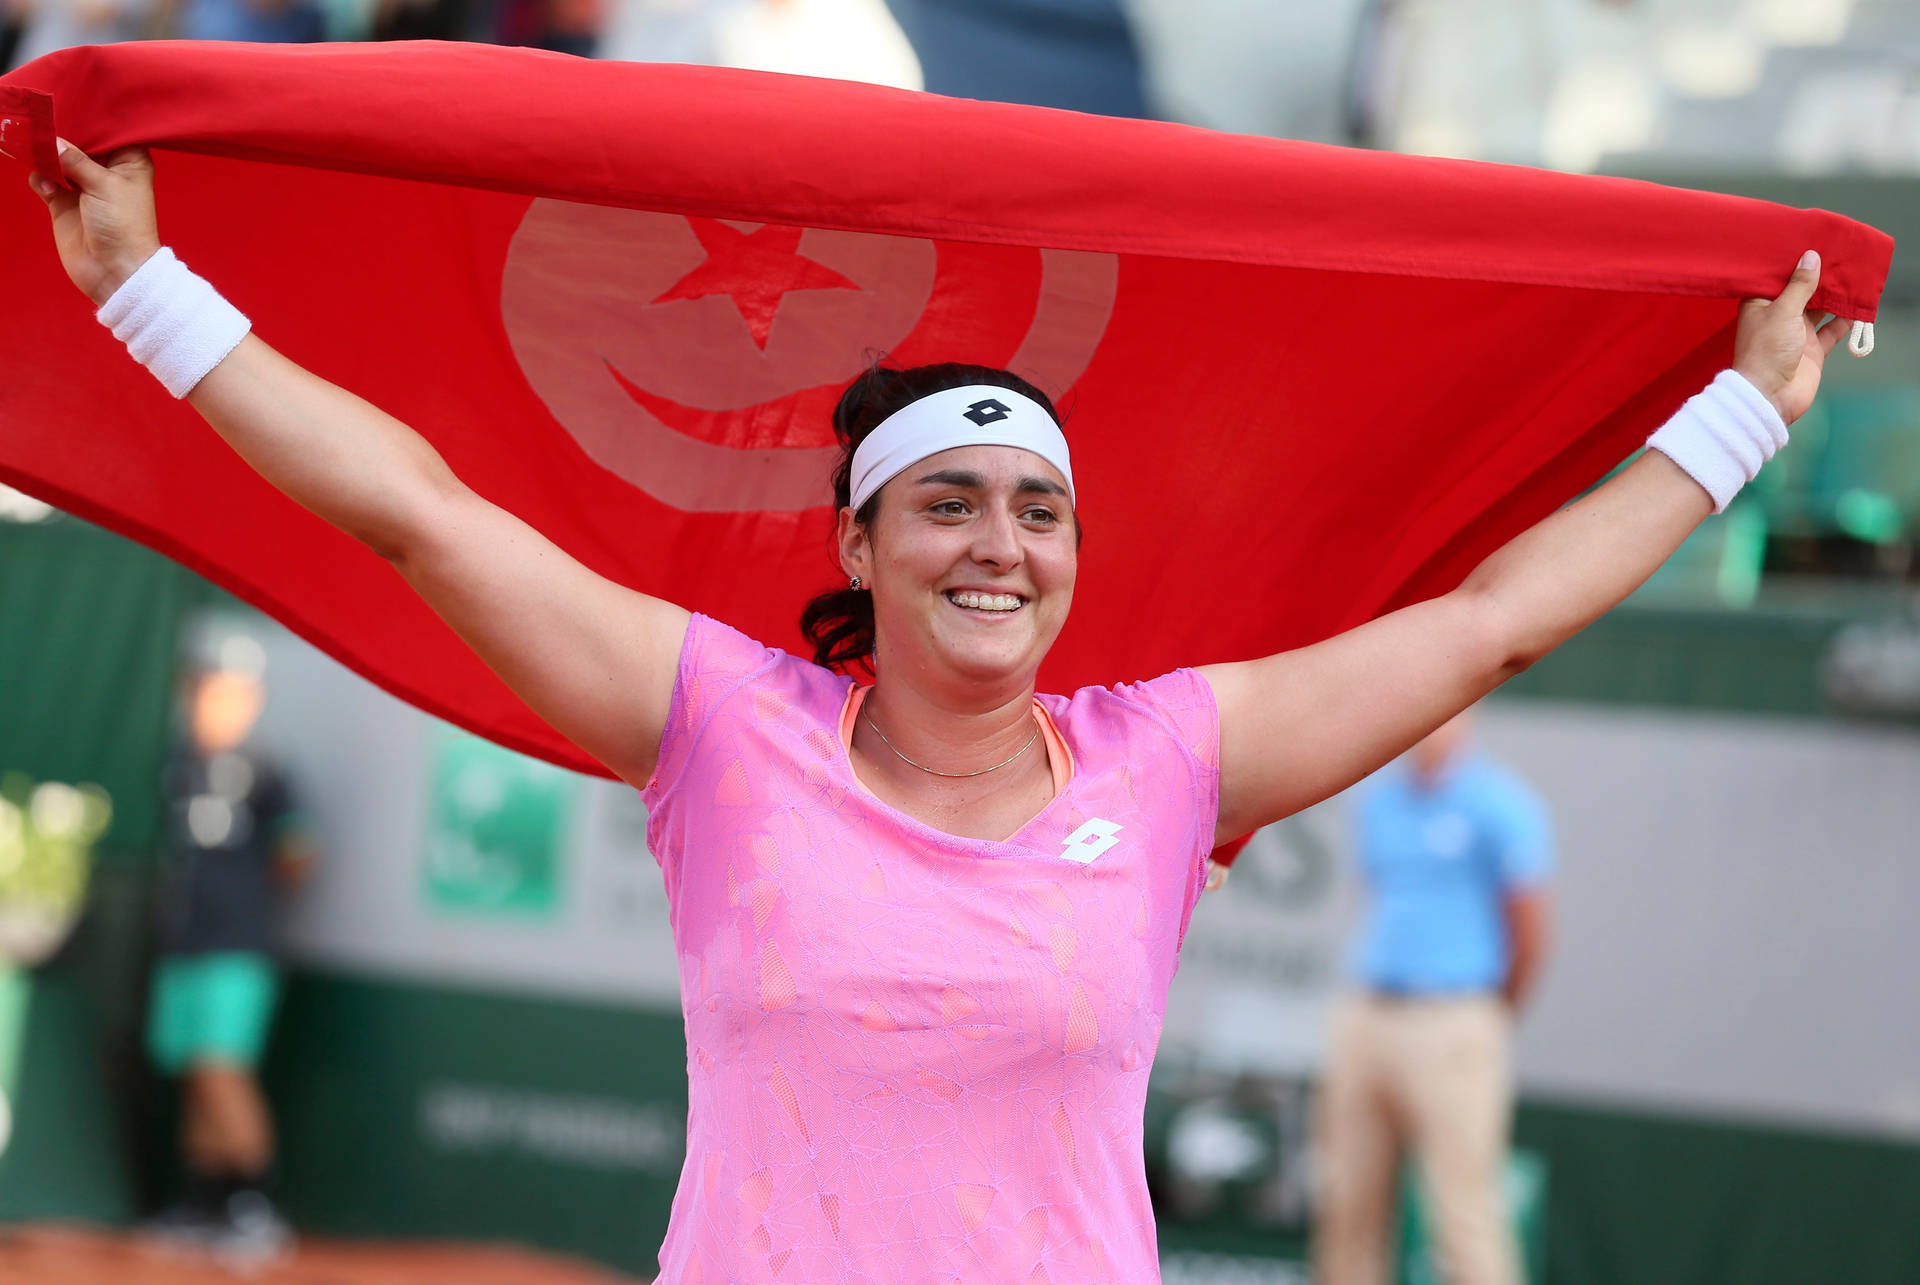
(1305, 384)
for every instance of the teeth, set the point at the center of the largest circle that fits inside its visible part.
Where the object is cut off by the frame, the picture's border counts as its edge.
(985, 601)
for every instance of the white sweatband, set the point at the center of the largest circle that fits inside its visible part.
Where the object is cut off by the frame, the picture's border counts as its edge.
(1722, 436)
(977, 415)
(173, 322)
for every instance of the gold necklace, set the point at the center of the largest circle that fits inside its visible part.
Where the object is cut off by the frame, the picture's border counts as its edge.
(934, 771)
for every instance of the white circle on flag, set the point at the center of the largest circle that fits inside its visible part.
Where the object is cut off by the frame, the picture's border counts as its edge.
(648, 335)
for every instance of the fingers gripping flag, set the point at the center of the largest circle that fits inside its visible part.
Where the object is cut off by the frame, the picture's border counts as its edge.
(1305, 384)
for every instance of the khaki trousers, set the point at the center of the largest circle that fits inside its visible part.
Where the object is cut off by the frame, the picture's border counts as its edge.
(1429, 1078)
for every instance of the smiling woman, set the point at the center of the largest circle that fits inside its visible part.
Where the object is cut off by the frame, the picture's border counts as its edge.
(839, 623)
(926, 926)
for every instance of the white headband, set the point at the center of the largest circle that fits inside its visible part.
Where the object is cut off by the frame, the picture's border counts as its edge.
(977, 415)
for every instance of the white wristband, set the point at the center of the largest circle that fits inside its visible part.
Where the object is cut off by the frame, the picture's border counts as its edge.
(1722, 436)
(173, 322)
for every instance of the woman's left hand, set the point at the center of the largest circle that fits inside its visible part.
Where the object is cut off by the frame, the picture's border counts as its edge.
(1780, 349)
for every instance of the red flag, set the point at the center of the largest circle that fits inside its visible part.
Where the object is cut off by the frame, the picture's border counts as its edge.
(1306, 384)
(1228, 853)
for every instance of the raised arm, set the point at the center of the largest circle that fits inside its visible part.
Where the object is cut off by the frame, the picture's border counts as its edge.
(1300, 726)
(596, 660)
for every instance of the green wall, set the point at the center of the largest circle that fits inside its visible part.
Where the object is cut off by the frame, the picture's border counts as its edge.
(68, 1156)
(1636, 1197)
(356, 1068)
(1751, 661)
(88, 623)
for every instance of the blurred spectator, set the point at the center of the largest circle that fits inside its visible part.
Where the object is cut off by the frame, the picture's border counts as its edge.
(564, 26)
(264, 21)
(686, 31)
(1282, 69)
(1454, 851)
(425, 19)
(42, 26)
(1076, 54)
(13, 17)
(237, 846)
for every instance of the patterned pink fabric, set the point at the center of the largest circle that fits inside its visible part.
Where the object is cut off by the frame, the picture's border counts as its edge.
(916, 1058)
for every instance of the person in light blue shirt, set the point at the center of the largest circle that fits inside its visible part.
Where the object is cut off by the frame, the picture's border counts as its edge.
(1447, 838)
(1454, 851)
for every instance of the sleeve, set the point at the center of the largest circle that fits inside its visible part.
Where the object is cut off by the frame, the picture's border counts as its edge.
(716, 660)
(1524, 834)
(1183, 706)
(276, 807)
(1182, 702)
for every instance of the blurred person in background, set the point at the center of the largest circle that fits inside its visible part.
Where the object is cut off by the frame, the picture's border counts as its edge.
(237, 847)
(43, 26)
(683, 31)
(1454, 851)
(564, 26)
(420, 19)
(1075, 54)
(283, 22)
(1285, 70)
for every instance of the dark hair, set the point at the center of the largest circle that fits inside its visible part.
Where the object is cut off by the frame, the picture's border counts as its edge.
(839, 622)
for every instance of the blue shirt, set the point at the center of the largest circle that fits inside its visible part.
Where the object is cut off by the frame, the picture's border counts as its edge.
(296, 23)
(1439, 860)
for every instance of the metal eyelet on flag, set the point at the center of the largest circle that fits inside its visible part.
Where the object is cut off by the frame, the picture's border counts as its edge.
(1860, 342)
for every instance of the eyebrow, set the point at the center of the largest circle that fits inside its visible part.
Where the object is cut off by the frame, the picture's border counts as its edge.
(977, 481)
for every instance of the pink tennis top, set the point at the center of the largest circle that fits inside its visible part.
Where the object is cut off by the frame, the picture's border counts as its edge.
(914, 1058)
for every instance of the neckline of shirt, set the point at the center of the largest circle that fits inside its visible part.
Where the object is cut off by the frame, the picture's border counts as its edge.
(1059, 762)
(1059, 757)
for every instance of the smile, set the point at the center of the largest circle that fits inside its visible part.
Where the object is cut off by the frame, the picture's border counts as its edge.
(1001, 602)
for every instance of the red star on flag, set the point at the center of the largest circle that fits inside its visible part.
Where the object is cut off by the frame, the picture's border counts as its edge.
(755, 269)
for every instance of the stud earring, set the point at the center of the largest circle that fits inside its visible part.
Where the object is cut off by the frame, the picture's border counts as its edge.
(854, 583)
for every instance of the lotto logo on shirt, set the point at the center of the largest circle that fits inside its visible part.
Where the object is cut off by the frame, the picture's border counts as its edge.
(1089, 841)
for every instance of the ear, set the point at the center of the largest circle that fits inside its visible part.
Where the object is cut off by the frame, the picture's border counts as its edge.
(855, 552)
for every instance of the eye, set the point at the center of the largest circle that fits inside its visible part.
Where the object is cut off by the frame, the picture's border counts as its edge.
(949, 508)
(1041, 514)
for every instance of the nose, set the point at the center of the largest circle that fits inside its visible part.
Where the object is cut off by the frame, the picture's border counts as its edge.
(996, 541)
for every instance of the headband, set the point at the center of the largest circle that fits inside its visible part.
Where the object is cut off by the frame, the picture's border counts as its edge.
(977, 415)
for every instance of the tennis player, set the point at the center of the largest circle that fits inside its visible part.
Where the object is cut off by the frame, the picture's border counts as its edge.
(926, 926)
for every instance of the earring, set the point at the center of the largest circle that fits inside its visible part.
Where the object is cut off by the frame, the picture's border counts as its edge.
(854, 583)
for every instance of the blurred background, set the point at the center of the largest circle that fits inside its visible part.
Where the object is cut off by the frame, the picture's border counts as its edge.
(479, 1037)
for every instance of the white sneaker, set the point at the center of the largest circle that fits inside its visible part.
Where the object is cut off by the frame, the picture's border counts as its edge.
(252, 1235)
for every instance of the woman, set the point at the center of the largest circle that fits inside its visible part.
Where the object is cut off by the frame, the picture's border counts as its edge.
(925, 927)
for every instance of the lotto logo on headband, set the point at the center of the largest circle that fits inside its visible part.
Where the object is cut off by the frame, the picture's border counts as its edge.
(988, 412)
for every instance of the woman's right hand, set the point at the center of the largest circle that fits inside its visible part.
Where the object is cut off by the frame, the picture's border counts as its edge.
(104, 226)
